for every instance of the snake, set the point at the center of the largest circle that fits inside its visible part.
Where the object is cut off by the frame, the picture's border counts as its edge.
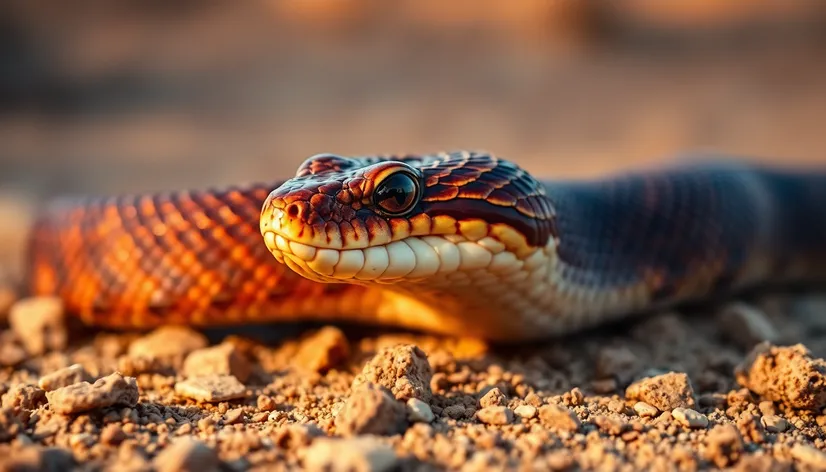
(456, 243)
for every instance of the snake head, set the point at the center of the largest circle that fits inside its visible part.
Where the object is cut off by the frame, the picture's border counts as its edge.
(387, 218)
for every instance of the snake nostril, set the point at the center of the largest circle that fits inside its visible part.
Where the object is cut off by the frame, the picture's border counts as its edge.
(293, 210)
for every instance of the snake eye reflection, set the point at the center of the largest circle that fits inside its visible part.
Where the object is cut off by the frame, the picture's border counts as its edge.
(397, 194)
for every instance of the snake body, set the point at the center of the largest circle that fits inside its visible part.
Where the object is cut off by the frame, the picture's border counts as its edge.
(457, 243)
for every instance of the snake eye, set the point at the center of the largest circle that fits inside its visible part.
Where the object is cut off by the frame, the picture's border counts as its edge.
(397, 194)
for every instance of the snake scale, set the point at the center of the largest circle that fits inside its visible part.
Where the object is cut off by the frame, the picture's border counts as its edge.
(456, 243)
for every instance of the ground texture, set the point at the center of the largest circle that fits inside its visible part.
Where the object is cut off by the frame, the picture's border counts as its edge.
(740, 385)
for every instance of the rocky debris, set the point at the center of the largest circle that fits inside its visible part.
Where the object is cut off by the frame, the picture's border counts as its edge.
(112, 434)
(73, 374)
(664, 392)
(360, 454)
(27, 397)
(223, 359)
(211, 388)
(724, 446)
(644, 410)
(168, 341)
(11, 352)
(494, 397)
(419, 411)
(774, 423)
(371, 409)
(809, 456)
(325, 349)
(690, 418)
(39, 324)
(402, 369)
(35, 458)
(113, 389)
(788, 375)
(526, 411)
(746, 325)
(187, 455)
(495, 415)
(145, 364)
(558, 417)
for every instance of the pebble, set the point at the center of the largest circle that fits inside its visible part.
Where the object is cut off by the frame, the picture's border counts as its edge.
(265, 403)
(690, 418)
(23, 396)
(494, 397)
(788, 375)
(71, 375)
(746, 325)
(526, 411)
(809, 456)
(353, 455)
(774, 423)
(559, 417)
(402, 369)
(325, 349)
(724, 446)
(223, 359)
(211, 388)
(234, 416)
(39, 324)
(111, 390)
(495, 415)
(168, 341)
(644, 410)
(419, 411)
(664, 392)
(371, 409)
(187, 455)
(112, 434)
(11, 353)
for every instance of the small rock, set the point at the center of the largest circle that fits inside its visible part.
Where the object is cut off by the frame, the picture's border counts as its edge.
(456, 411)
(644, 410)
(325, 349)
(112, 434)
(526, 411)
(350, 455)
(371, 409)
(187, 455)
(403, 369)
(787, 375)
(143, 364)
(211, 388)
(559, 417)
(265, 403)
(64, 377)
(724, 446)
(26, 397)
(690, 418)
(11, 353)
(223, 359)
(419, 411)
(113, 389)
(234, 416)
(746, 325)
(608, 425)
(168, 341)
(39, 324)
(495, 415)
(774, 423)
(809, 456)
(494, 397)
(664, 392)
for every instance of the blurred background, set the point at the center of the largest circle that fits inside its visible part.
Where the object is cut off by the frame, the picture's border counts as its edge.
(102, 96)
